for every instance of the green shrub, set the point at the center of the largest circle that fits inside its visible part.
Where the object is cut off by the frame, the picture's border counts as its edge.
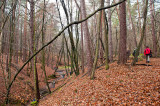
(53, 76)
(34, 103)
(140, 57)
(75, 90)
(63, 67)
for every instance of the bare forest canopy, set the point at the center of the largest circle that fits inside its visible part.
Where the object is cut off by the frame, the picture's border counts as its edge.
(78, 35)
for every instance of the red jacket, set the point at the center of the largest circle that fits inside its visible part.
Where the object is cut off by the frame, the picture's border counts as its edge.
(147, 51)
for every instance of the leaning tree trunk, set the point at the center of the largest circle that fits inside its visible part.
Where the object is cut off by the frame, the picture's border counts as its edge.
(97, 44)
(74, 55)
(142, 33)
(123, 34)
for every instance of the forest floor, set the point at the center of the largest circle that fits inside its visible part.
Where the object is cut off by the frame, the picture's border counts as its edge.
(120, 85)
(22, 90)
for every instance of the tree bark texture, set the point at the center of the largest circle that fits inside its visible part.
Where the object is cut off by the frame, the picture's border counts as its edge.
(105, 27)
(87, 38)
(110, 33)
(33, 49)
(74, 56)
(97, 43)
(123, 34)
(25, 34)
(133, 27)
(43, 51)
(153, 28)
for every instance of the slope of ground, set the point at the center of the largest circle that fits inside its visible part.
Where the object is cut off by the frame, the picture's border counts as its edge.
(22, 90)
(120, 85)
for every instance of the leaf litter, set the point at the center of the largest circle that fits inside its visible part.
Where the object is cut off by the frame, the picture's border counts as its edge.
(120, 85)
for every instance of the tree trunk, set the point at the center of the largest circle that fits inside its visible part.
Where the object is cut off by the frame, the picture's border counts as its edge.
(110, 33)
(97, 44)
(43, 51)
(123, 34)
(74, 56)
(33, 49)
(25, 34)
(82, 49)
(11, 40)
(87, 40)
(153, 29)
(105, 27)
(133, 28)
(100, 39)
(139, 17)
(32, 31)
(116, 42)
(1, 30)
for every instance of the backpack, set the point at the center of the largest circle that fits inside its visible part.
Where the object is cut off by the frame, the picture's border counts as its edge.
(147, 51)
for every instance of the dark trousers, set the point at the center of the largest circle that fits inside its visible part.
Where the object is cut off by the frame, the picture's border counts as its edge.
(147, 58)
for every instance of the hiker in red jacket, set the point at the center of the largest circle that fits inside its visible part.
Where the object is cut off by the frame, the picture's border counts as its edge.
(147, 53)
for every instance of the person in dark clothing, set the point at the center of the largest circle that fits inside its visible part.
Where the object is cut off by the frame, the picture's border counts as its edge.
(134, 53)
(147, 53)
(128, 54)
